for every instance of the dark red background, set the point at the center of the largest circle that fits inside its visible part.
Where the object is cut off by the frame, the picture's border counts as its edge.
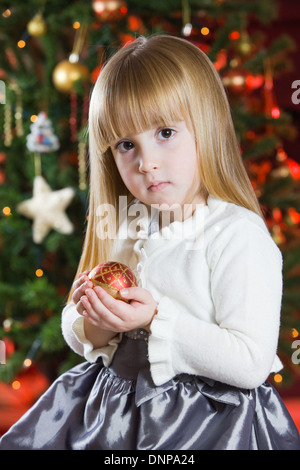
(288, 22)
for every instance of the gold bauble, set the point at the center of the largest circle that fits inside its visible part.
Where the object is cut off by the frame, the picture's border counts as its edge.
(244, 46)
(66, 73)
(37, 26)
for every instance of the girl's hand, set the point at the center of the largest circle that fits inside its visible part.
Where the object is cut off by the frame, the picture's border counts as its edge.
(107, 313)
(79, 287)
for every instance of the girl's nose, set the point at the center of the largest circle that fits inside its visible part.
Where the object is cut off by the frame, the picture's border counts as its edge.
(147, 164)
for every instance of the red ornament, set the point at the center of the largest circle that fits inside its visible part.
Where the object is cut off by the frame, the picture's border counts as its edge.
(95, 73)
(235, 80)
(275, 112)
(221, 60)
(9, 346)
(294, 168)
(254, 81)
(113, 277)
(110, 10)
(294, 215)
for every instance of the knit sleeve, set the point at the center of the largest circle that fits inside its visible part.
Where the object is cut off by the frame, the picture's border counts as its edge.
(239, 347)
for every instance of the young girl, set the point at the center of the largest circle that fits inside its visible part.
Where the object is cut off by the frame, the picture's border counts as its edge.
(184, 364)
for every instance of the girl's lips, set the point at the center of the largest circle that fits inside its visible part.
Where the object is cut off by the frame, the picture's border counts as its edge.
(158, 186)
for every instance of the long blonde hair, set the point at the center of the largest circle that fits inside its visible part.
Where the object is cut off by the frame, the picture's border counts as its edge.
(154, 82)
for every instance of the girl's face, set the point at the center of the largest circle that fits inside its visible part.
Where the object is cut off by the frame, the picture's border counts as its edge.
(159, 166)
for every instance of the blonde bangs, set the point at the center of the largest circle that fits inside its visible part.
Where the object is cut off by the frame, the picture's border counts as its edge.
(143, 94)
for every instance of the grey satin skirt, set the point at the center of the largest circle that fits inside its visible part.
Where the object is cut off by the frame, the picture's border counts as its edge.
(92, 407)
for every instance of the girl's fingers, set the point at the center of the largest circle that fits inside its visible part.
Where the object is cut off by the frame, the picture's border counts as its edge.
(136, 293)
(80, 307)
(79, 281)
(97, 314)
(82, 284)
(102, 310)
(82, 277)
(84, 273)
(111, 305)
(88, 311)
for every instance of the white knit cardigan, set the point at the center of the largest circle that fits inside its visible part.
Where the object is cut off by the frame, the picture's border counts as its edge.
(218, 283)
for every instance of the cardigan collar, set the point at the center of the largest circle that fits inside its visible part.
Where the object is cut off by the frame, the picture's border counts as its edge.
(145, 224)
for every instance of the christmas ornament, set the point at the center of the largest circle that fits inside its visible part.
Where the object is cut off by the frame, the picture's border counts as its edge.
(19, 110)
(7, 124)
(41, 138)
(9, 346)
(186, 18)
(95, 73)
(254, 81)
(37, 26)
(271, 108)
(294, 216)
(135, 23)
(8, 114)
(100, 62)
(67, 72)
(239, 81)
(109, 10)
(73, 115)
(221, 60)
(294, 168)
(235, 80)
(113, 277)
(46, 208)
(244, 45)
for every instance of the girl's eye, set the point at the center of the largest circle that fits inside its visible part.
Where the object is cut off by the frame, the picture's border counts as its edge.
(166, 133)
(124, 146)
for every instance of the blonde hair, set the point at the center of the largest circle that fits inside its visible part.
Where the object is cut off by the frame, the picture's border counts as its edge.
(155, 82)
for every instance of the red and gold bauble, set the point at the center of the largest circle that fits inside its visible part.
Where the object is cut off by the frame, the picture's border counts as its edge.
(113, 276)
(110, 10)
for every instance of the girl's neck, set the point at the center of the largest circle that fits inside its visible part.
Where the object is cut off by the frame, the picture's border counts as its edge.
(179, 213)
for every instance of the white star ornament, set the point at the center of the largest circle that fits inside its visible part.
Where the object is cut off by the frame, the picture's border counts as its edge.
(47, 209)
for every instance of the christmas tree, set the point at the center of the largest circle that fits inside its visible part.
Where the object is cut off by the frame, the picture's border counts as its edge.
(52, 53)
